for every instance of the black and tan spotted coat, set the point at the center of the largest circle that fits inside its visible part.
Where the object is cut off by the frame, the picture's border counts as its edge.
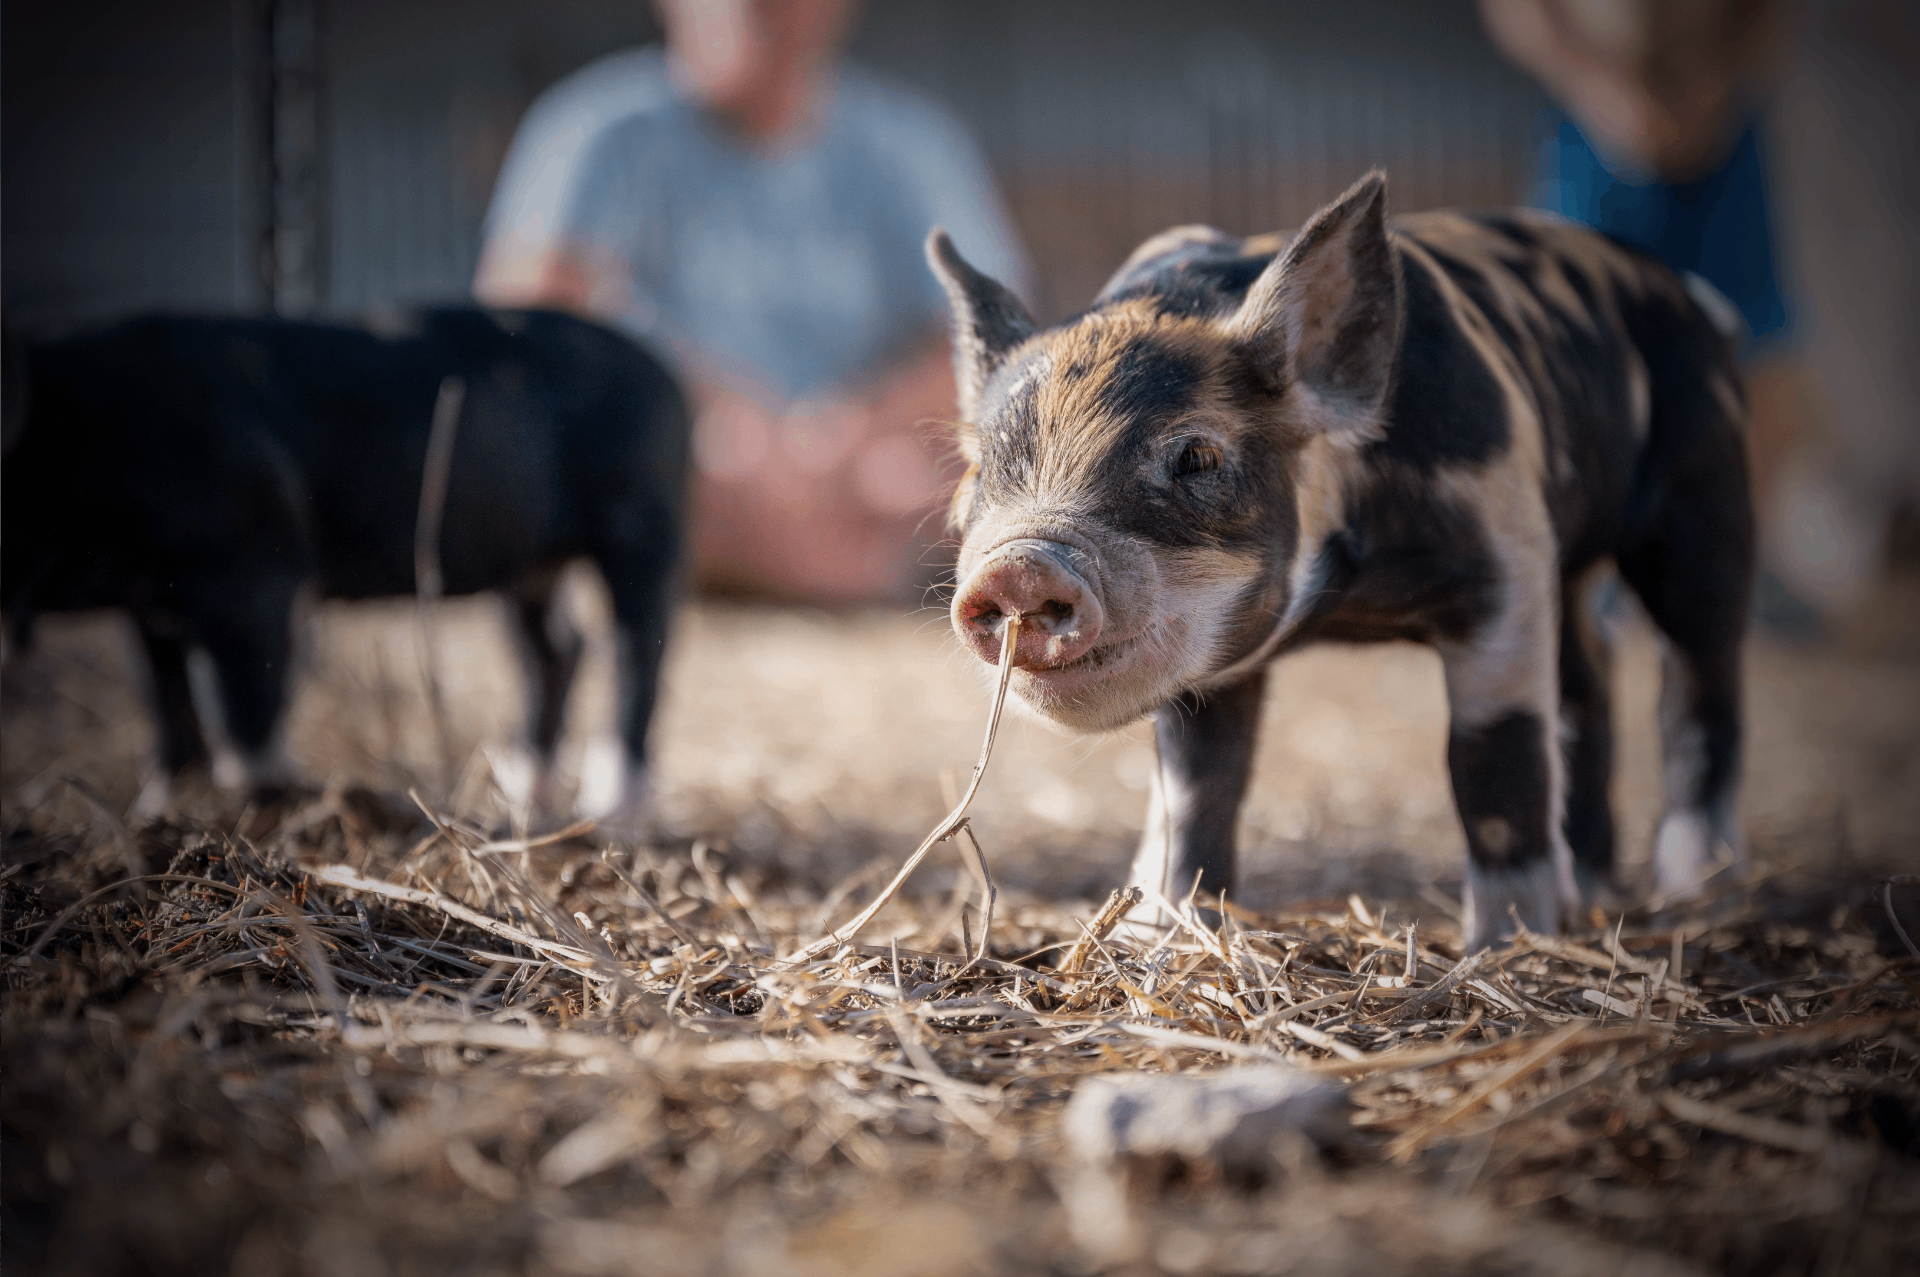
(1437, 429)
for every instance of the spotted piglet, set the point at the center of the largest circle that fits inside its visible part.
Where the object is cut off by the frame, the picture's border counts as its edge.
(1438, 429)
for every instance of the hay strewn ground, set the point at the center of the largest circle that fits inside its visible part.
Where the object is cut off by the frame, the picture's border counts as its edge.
(336, 1035)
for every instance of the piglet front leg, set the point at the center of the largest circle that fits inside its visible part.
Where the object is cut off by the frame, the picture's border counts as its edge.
(1205, 744)
(1503, 758)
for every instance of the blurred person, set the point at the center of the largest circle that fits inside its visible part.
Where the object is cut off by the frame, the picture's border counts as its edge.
(1663, 146)
(755, 208)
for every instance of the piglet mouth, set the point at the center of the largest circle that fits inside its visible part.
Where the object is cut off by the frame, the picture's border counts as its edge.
(1062, 691)
(1102, 657)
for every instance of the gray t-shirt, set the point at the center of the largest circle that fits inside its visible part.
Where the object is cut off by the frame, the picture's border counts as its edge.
(799, 267)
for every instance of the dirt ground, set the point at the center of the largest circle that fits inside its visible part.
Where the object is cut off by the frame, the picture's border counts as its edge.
(814, 741)
(182, 1095)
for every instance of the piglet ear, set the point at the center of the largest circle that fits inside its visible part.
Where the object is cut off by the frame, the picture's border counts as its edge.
(1325, 316)
(988, 320)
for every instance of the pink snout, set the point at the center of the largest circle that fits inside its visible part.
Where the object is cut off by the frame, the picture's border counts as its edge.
(1060, 618)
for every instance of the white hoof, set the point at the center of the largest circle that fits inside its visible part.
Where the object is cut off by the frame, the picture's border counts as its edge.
(1686, 853)
(631, 817)
(271, 768)
(1499, 901)
(515, 775)
(155, 797)
(529, 788)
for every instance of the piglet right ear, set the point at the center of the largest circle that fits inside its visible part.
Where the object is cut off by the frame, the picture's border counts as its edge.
(1327, 313)
(988, 320)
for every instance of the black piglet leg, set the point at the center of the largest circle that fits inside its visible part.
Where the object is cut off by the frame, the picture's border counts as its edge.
(549, 648)
(1205, 745)
(182, 745)
(1586, 720)
(1502, 785)
(642, 587)
(246, 622)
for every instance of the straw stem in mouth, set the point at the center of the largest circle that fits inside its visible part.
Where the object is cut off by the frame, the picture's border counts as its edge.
(1009, 636)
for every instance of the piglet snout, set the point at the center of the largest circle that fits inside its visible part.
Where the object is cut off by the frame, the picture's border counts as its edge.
(1060, 618)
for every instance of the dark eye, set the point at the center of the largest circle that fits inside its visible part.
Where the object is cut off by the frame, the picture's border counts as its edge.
(1197, 457)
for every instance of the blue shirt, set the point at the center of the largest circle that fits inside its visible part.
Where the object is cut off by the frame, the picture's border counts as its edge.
(798, 267)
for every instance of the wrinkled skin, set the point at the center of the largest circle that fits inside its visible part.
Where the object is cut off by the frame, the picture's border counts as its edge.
(1437, 432)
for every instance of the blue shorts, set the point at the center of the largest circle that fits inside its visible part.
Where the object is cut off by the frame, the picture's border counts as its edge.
(1719, 226)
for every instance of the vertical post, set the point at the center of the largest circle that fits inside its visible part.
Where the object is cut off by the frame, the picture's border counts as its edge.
(294, 252)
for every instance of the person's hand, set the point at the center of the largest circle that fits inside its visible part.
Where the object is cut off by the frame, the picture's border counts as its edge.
(828, 498)
(552, 275)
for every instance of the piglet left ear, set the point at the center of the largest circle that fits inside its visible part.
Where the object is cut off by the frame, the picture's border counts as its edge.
(1326, 315)
(988, 320)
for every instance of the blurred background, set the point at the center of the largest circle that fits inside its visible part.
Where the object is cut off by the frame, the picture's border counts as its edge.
(324, 156)
(319, 158)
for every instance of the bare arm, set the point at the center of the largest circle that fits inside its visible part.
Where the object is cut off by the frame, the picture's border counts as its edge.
(916, 386)
(551, 274)
(1654, 82)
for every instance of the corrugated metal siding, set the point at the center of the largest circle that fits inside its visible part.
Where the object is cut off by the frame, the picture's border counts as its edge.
(133, 180)
(1108, 122)
(422, 101)
(130, 145)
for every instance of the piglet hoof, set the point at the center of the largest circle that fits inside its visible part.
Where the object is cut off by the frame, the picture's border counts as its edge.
(633, 828)
(156, 796)
(1501, 901)
(530, 787)
(1598, 892)
(1693, 868)
(1147, 921)
(264, 775)
(515, 775)
(633, 819)
(1687, 854)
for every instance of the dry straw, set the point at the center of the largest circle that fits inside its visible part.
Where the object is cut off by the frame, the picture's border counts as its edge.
(349, 1010)
(428, 581)
(954, 823)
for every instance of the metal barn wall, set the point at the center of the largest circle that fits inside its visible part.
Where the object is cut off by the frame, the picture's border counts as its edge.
(141, 156)
(1108, 122)
(130, 149)
(422, 99)
(143, 168)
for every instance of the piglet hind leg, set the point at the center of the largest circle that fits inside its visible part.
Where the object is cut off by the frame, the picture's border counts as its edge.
(549, 647)
(616, 789)
(1205, 745)
(1586, 737)
(246, 627)
(181, 743)
(1693, 568)
(1690, 559)
(641, 584)
(1699, 834)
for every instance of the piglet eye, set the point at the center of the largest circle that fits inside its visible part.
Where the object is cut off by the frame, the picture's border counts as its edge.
(1197, 457)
